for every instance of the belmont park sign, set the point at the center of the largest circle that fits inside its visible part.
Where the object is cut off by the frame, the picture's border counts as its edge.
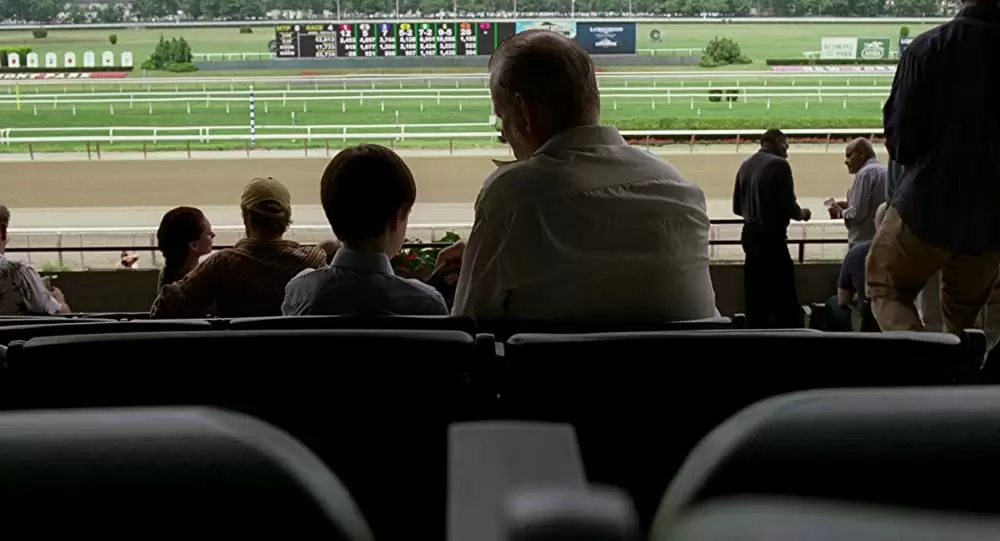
(69, 61)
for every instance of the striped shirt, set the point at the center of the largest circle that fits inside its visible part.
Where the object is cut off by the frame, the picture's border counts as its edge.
(247, 280)
(866, 194)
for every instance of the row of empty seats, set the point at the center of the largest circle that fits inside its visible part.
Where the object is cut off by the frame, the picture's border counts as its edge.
(874, 464)
(375, 404)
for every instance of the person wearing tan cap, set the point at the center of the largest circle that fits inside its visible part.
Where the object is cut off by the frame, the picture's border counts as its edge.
(247, 280)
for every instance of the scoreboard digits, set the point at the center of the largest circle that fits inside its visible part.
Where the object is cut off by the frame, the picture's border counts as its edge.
(306, 40)
(390, 39)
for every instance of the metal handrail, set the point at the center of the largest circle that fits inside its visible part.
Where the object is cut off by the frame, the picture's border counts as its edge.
(800, 243)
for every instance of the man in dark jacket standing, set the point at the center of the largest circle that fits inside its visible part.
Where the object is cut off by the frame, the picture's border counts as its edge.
(765, 197)
(942, 125)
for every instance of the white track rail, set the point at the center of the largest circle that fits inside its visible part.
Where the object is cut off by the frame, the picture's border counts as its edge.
(204, 137)
(450, 78)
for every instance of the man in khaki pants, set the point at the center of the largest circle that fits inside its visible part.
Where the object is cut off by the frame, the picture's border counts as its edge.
(942, 124)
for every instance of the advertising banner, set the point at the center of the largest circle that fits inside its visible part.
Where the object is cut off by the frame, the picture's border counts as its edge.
(873, 48)
(606, 38)
(839, 48)
(565, 27)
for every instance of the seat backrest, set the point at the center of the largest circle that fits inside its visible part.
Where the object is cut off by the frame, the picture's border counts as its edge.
(373, 404)
(87, 326)
(214, 365)
(614, 387)
(560, 514)
(416, 323)
(10, 321)
(113, 473)
(488, 460)
(750, 519)
(118, 316)
(504, 329)
(932, 448)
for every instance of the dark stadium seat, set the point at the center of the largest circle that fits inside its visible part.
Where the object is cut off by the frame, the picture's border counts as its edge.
(641, 401)
(119, 316)
(10, 321)
(426, 323)
(772, 519)
(489, 460)
(553, 514)
(932, 448)
(504, 329)
(375, 405)
(112, 474)
(26, 332)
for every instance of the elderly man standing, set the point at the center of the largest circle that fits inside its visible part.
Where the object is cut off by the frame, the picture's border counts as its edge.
(582, 226)
(867, 192)
(942, 124)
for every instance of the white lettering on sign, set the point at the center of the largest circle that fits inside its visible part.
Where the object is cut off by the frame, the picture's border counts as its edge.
(839, 48)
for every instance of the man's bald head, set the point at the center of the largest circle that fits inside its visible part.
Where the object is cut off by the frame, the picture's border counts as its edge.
(863, 146)
(857, 153)
(547, 81)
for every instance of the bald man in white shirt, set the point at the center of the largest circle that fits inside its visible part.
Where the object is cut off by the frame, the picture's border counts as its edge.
(582, 226)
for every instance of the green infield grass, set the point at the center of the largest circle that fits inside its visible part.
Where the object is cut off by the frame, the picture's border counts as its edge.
(404, 117)
(760, 41)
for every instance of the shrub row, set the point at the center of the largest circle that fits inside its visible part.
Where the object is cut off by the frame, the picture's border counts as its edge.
(21, 51)
(829, 62)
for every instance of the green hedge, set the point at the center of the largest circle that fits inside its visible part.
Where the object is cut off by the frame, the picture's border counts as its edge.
(21, 51)
(829, 62)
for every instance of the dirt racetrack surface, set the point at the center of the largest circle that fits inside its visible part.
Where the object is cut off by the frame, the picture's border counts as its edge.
(208, 182)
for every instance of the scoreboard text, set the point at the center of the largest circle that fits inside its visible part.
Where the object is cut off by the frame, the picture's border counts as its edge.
(390, 39)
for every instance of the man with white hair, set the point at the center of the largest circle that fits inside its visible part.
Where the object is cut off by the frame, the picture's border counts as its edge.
(582, 226)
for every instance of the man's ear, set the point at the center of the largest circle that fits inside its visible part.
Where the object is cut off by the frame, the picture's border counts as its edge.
(523, 112)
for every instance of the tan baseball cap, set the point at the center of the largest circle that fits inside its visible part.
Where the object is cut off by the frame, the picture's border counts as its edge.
(267, 197)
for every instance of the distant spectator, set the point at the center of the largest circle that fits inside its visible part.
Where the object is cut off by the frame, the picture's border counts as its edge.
(867, 192)
(22, 290)
(184, 236)
(942, 125)
(367, 193)
(582, 226)
(249, 279)
(127, 261)
(764, 195)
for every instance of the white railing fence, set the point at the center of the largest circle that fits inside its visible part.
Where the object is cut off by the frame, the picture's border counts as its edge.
(650, 135)
(449, 78)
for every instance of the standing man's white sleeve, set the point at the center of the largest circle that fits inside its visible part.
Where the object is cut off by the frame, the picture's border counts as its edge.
(481, 291)
(40, 300)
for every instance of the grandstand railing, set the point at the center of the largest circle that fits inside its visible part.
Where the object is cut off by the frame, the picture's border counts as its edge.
(648, 137)
(828, 236)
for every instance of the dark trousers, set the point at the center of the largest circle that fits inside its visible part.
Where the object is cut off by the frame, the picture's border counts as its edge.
(769, 281)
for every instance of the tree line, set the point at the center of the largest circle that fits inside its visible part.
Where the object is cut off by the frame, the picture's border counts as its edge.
(59, 10)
